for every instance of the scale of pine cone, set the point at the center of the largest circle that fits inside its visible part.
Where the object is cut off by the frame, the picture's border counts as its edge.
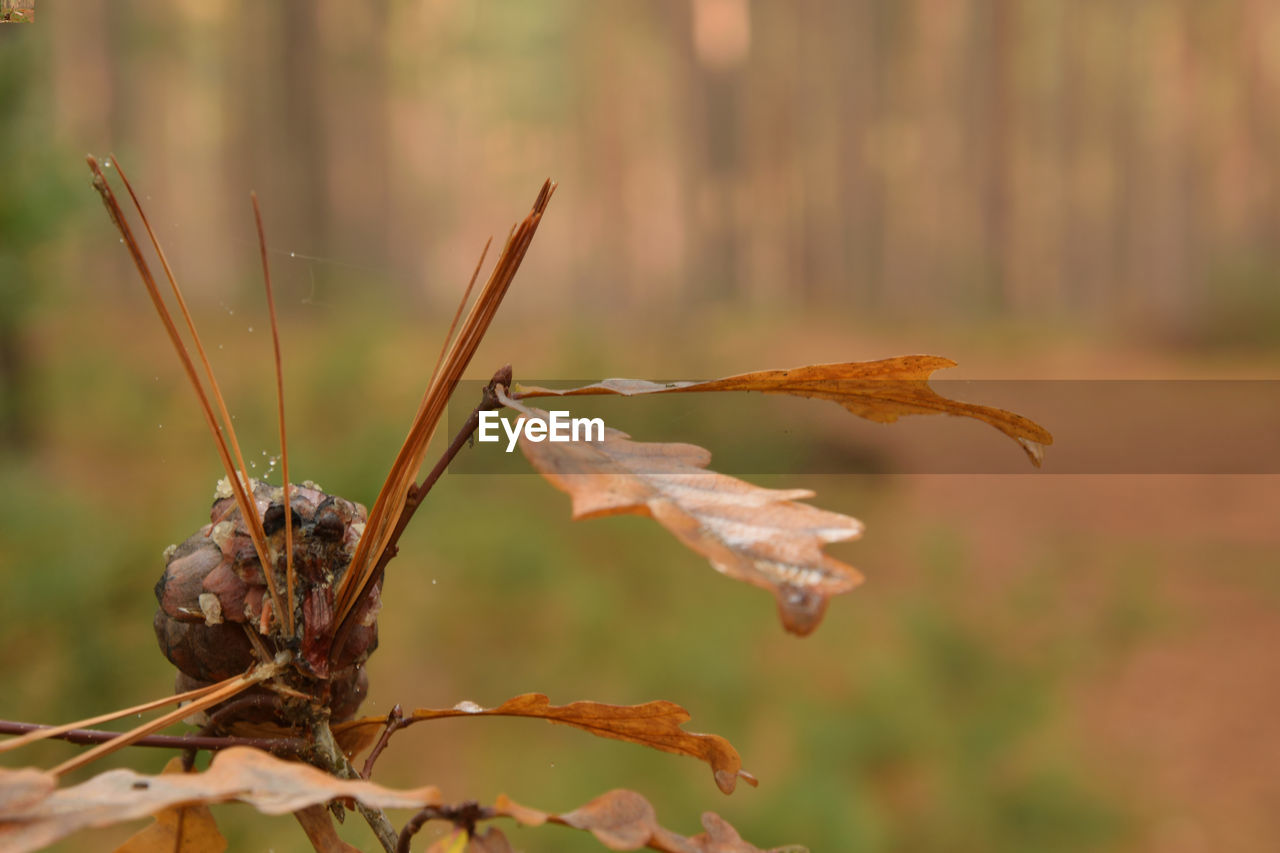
(213, 592)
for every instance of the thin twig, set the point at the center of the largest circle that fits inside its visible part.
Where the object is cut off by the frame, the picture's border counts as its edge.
(279, 746)
(227, 689)
(464, 816)
(52, 731)
(231, 710)
(327, 755)
(413, 826)
(380, 824)
(394, 719)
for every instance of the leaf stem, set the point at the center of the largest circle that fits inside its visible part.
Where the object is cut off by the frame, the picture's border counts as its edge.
(395, 720)
(464, 816)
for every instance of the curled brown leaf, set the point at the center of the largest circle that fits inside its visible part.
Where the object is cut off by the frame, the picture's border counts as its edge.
(752, 534)
(653, 724)
(624, 820)
(318, 825)
(269, 784)
(178, 829)
(877, 390)
(24, 786)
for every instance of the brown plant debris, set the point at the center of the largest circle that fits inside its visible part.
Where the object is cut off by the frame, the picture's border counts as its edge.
(752, 534)
(653, 724)
(880, 391)
(624, 820)
(35, 813)
(178, 828)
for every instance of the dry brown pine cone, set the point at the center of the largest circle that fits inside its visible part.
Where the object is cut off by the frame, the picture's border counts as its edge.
(213, 592)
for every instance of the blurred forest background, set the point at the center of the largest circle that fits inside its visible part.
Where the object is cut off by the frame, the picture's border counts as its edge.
(1040, 189)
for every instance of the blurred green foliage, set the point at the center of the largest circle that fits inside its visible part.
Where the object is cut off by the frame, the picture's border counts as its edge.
(35, 200)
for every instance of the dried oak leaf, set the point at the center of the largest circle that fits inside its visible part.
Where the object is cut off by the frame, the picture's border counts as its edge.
(653, 724)
(761, 536)
(880, 391)
(178, 829)
(318, 825)
(23, 787)
(269, 784)
(624, 820)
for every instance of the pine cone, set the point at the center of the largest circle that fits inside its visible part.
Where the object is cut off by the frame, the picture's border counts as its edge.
(213, 588)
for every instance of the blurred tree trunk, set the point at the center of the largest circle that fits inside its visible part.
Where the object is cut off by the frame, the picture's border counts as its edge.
(856, 66)
(119, 38)
(277, 141)
(1263, 123)
(996, 49)
(357, 103)
(985, 153)
(719, 91)
(1069, 133)
(713, 171)
(298, 96)
(606, 157)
